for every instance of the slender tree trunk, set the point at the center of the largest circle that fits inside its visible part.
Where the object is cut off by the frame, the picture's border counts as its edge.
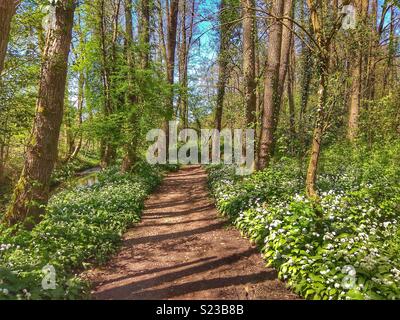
(32, 191)
(323, 61)
(222, 64)
(182, 65)
(307, 70)
(81, 96)
(108, 147)
(272, 98)
(249, 60)
(355, 99)
(144, 32)
(388, 75)
(106, 150)
(162, 44)
(287, 36)
(185, 45)
(130, 148)
(319, 129)
(7, 11)
(144, 41)
(356, 76)
(172, 27)
(291, 101)
(376, 32)
(2, 162)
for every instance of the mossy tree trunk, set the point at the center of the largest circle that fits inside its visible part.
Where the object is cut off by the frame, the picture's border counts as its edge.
(32, 191)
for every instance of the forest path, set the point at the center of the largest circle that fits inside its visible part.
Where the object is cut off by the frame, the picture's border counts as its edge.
(183, 250)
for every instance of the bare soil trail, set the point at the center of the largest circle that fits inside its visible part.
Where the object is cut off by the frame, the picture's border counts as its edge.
(183, 250)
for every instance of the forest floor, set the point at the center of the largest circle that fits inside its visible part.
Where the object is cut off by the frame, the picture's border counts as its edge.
(183, 250)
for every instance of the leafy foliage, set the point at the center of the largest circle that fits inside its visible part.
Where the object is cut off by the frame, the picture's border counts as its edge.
(343, 247)
(83, 226)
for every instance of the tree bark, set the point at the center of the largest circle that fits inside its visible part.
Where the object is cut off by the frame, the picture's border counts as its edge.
(144, 32)
(224, 39)
(272, 98)
(249, 61)
(130, 148)
(108, 148)
(291, 100)
(318, 130)
(287, 36)
(7, 11)
(356, 76)
(186, 43)
(323, 42)
(32, 191)
(172, 27)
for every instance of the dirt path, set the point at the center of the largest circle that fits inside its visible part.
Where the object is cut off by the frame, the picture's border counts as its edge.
(182, 250)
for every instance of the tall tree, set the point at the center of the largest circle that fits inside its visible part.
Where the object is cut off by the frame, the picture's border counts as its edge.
(108, 31)
(271, 86)
(172, 27)
(7, 11)
(144, 32)
(185, 45)
(130, 148)
(323, 37)
(356, 72)
(32, 191)
(249, 60)
(287, 36)
(223, 56)
(132, 100)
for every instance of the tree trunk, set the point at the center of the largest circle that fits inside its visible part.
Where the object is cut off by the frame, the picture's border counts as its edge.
(2, 163)
(370, 81)
(144, 32)
(355, 99)
(323, 60)
(172, 27)
(356, 76)
(307, 70)
(224, 39)
(186, 43)
(81, 96)
(271, 84)
(318, 131)
(287, 36)
(32, 191)
(291, 101)
(162, 45)
(7, 11)
(108, 147)
(249, 61)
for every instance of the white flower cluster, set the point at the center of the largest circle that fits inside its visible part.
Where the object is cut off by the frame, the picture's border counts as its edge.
(4, 291)
(5, 247)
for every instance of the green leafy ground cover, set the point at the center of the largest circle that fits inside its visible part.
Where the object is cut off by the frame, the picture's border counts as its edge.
(82, 227)
(345, 246)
